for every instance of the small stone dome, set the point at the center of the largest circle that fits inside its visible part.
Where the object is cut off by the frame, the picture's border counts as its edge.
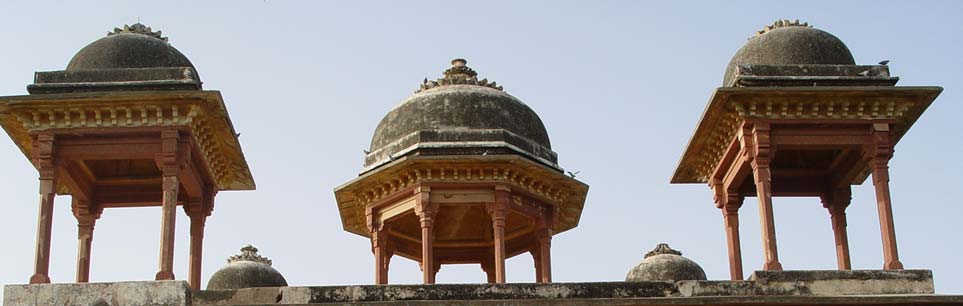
(790, 43)
(246, 270)
(665, 264)
(133, 46)
(464, 115)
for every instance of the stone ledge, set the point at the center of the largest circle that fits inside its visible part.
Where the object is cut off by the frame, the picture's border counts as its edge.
(449, 292)
(680, 301)
(853, 282)
(145, 293)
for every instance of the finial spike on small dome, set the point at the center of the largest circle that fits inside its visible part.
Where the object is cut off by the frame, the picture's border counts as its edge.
(662, 248)
(138, 28)
(458, 74)
(782, 23)
(249, 253)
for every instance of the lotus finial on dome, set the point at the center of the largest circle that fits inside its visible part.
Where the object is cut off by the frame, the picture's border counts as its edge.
(138, 28)
(784, 23)
(458, 74)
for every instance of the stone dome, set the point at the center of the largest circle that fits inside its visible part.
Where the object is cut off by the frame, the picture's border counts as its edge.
(246, 270)
(133, 46)
(790, 43)
(665, 264)
(462, 115)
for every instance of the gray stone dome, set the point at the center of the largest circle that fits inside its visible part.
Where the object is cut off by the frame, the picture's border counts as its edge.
(460, 114)
(133, 46)
(665, 264)
(790, 43)
(246, 270)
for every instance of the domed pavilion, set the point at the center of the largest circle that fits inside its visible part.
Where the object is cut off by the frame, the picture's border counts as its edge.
(461, 172)
(797, 117)
(126, 124)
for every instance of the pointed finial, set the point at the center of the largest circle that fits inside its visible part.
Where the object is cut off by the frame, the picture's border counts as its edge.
(662, 248)
(249, 253)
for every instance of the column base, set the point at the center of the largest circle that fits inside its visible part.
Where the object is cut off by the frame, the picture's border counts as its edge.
(893, 265)
(775, 265)
(39, 279)
(164, 275)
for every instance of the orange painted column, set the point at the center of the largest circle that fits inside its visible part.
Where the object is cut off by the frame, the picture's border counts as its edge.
(378, 247)
(85, 236)
(197, 249)
(763, 180)
(879, 163)
(544, 238)
(489, 270)
(168, 163)
(426, 214)
(537, 261)
(730, 213)
(43, 160)
(836, 203)
(498, 211)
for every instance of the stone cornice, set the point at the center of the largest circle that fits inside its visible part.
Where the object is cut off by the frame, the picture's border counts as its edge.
(201, 112)
(730, 106)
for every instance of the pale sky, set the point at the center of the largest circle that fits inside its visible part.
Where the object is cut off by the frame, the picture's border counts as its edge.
(620, 86)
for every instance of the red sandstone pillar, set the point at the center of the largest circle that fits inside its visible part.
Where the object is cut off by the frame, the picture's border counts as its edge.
(537, 262)
(836, 203)
(386, 262)
(498, 210)
(85, 235)
(879, 163)
(489, 271)
(86, 219)
(544, 267)
(378, 239)
(763, 179)
(197, 249)
(426, 214)
(436, 269)
(43, 160)
(169, 165)
(730, 214)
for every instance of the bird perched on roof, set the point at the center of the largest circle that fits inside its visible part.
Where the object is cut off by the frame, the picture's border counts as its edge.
(884, 62)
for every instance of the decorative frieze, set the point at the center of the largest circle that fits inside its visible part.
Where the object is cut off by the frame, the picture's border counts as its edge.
(729, 110)
(206, 120)
(546, 186)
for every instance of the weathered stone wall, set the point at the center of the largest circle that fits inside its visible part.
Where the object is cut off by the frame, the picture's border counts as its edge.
(904, 287)
(150, 293)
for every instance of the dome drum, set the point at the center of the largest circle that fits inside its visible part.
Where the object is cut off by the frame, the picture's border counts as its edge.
(125, 79)
(462, 142)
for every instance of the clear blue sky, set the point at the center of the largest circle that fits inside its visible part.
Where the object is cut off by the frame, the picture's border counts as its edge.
(620, 86)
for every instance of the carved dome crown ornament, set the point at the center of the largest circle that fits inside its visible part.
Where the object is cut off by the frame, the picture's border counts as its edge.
(138, 28)
(784, 23)
(662, 248)
(249, 253)
(458, 74)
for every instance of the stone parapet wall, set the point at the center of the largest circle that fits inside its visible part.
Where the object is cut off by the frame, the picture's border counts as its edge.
(903, 287)
(145, 293)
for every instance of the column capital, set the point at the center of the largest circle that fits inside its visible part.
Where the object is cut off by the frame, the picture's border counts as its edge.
(837, 198)
(169, 159)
